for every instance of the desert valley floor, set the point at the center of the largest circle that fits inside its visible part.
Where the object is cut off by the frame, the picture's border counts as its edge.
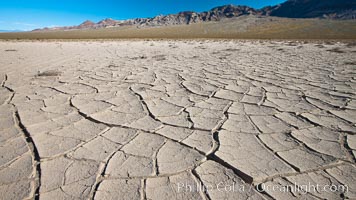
(166, 119)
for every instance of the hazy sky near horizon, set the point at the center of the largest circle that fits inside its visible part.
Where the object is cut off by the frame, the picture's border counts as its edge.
(31, 14)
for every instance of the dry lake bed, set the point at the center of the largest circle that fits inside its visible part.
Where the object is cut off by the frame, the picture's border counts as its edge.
(194, 119)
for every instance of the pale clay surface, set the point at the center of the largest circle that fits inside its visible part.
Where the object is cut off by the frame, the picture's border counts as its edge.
(136, 119)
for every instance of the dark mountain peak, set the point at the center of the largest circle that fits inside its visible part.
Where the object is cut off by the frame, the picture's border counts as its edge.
(231, 7)
(86, 24)
(228, 11)
(107, 22)
(187, 14)
(335, 9)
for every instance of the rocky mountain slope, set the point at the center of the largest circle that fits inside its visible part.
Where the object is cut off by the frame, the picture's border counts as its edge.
(334, 9)
(331, 9)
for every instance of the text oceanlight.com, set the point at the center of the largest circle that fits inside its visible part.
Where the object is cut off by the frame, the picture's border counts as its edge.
(234, 187)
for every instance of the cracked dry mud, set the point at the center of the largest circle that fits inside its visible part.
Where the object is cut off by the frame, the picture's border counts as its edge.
(135, 119)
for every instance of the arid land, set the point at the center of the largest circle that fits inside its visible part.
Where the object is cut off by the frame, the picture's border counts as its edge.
(244, 27)
(146, 119)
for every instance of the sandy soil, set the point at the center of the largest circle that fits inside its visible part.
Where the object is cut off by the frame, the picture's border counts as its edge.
(156, 119)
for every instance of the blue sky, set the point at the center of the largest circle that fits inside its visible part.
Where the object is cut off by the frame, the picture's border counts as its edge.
(31, 14)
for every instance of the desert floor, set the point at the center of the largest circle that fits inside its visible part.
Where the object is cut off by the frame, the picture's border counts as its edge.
(177, 120)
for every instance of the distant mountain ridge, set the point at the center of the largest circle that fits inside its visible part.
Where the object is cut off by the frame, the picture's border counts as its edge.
(330, 9)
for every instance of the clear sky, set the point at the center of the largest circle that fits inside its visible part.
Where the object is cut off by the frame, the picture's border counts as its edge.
(31, 14)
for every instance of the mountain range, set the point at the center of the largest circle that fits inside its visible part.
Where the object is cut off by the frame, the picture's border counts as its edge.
(327, 9)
